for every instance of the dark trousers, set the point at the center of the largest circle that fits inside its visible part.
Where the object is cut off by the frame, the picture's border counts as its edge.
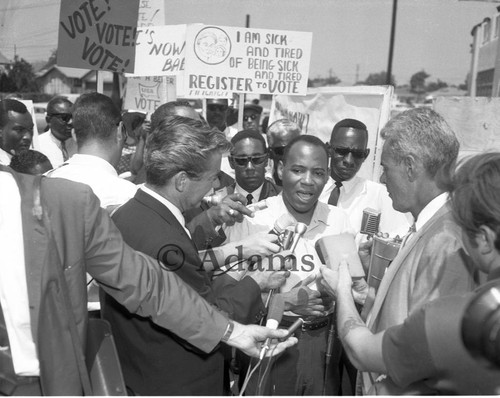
(300, 370)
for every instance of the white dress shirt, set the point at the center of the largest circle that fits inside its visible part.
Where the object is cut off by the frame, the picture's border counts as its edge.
(50, 146)
(255, 194)
(13, 286)
(357, 194)
(99, 175)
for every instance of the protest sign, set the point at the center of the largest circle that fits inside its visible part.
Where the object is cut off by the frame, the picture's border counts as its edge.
(98, 34)
(475, 121)
(145, 94)
(151, 13)
(160, 50)
(221, 60)
(318, 111)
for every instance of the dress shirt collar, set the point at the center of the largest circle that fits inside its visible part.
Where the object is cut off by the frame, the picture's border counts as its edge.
(255, 194)
(349, 184)
(84, 160)
(169, 205)
(430, 209)
(5, 157)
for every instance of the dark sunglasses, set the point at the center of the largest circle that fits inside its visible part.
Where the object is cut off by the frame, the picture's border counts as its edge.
(253, 116)
(65, 117)
(243, 160)
(356, 153)
(278, 150)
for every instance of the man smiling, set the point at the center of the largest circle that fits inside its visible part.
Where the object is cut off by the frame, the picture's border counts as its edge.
(304, 172)
(16, 129)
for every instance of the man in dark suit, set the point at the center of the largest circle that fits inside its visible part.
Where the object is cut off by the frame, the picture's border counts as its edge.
(249, 160)
(182, 161)
(53, 231)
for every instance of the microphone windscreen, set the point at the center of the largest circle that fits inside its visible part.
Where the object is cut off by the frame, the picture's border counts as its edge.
(370, 222)
(282, 223)
(332, 249)
(275, 313)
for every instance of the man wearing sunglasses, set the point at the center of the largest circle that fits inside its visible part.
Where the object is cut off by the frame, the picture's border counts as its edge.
(279, 134)
(345, 189)
(249, 160)
(251, 116)
(57, 143)
(217, 112)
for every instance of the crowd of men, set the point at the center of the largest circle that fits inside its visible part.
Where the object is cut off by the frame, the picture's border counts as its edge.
(178, 257)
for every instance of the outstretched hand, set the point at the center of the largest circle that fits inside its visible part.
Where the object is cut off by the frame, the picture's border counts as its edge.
(249, 339)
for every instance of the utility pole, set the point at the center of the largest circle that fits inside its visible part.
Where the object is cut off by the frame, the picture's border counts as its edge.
(391, 44)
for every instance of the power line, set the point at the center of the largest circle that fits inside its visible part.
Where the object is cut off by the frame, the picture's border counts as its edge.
(38, 4)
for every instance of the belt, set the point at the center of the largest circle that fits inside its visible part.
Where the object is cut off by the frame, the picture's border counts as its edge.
(314, 324)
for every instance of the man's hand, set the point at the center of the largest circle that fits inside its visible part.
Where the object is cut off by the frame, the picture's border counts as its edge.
(340, 279)
(249, 339)
(304, 301)
(231, 209)
(260, 244)
(270, 272)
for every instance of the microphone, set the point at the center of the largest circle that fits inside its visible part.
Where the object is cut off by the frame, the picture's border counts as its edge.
(300, 230)
(282, 223)
(274, 315)
(370, 222)
(332, 249)
(258, 206)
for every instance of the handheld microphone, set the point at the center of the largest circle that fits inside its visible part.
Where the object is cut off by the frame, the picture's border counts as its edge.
(370, 222)
(274, 315)
(282, 223)
(300, 230)
(258, 206)
(212, 200)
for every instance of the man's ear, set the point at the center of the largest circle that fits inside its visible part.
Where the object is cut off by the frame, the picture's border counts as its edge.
(485, 240)
(412, 167)
(280, 169)
(180, 180)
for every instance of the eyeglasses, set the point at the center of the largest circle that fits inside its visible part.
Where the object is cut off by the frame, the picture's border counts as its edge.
(278, 150)
(243, 160)
(65, 117)
(253, 116)
(356, 153)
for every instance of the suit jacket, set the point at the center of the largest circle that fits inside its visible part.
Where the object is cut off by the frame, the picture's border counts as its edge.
(155, 361)
(432, 264)
(84, 239)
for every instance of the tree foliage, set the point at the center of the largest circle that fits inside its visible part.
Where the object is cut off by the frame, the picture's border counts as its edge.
(417, 82)
(19, 77)
(378, 79)
(433, 86)
(323, 81)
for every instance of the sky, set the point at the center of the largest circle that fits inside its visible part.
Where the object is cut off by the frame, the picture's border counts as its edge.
(350, 37)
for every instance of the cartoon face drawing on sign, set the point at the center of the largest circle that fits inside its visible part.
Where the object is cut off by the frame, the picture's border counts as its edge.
(212, 45)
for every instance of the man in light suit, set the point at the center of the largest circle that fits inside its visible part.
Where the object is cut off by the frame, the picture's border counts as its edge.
(182, 161)
(51, 232)
(431, 262)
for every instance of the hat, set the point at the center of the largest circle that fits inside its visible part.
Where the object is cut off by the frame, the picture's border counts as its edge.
(217, 101)
(254, 107)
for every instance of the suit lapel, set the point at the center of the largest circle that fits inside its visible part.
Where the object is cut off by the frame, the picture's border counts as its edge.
(162, 210)
(396, 264)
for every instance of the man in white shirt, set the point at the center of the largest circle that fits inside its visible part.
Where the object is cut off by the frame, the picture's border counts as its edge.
(304, 172)
(344, 189)
(57, 143)
(100, 136)
(16, 129)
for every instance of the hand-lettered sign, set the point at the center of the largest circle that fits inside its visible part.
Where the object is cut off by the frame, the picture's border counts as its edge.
(228, 59)
(98, 34)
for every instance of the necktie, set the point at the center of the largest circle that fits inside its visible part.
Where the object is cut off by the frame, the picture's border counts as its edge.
(7, 373)
(334, 196)
(249, 199)
(64, 150)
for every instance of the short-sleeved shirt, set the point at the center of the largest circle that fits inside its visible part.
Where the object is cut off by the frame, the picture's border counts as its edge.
(425, 354)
